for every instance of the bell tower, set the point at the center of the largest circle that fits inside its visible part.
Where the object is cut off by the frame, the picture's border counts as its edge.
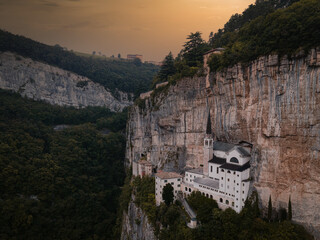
(207, 146)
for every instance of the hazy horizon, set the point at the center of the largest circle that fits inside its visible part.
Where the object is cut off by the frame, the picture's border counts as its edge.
(111, 27)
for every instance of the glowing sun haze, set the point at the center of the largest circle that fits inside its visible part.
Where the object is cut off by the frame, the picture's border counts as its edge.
(148, 27)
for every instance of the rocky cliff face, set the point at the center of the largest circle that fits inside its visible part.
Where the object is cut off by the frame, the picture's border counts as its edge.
(56, 86)
(135, 225)
(273, 104)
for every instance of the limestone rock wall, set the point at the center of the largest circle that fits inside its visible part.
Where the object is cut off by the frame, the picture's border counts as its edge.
(273, 104)
(135, 225)
(56, 86)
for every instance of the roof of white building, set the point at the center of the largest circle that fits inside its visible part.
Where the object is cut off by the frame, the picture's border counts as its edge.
(195, 170)
(227, 147)
(217, 160)
(243, 152)
(168, 175)
(234, 167)
(222, 146)
(207, 182)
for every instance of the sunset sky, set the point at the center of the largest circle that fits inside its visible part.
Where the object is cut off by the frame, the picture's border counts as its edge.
(148, 27)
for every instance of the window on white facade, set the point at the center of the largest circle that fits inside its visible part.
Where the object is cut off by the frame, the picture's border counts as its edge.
(172, 183)
(222, 170)
(222, 178)
(227, 202)
(217, 170)
(165, 181)
(221, 200)
(210, 168)
(178, 185)
(234, 160)
(228, 179)
(186, 189)
(228, 171)
(179, 179)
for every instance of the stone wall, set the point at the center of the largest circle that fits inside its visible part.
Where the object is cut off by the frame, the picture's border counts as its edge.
(271, 103)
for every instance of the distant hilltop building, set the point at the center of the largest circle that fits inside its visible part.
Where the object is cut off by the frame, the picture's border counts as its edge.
(134, 56)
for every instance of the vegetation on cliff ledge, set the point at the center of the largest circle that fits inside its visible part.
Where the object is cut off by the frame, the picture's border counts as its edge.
(267, 27)
(282, 32)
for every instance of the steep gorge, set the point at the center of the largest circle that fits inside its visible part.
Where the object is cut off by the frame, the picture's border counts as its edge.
(41, 81)
(272, 103)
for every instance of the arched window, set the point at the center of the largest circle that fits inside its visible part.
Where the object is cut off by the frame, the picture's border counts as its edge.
(221, 200)
(189, 189)
(227, 202)
(211, 196)
(234, 160)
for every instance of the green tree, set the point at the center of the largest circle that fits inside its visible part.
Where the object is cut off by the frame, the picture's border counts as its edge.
(167, 69)
(269, 209)
(167, 194)
(194, 49)
(289, 210)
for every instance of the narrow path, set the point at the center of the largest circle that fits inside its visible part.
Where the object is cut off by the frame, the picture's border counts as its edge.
(191, 213)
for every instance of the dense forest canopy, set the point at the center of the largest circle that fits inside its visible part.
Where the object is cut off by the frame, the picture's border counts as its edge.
(128, 76)
(59, 184)
(282, 32)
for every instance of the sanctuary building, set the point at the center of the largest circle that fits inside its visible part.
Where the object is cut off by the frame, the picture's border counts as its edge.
(224, 177)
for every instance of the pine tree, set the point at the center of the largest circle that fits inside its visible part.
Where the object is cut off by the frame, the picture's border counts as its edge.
(289, 209)
(167, 68)
(194, 49)
(256, 205)
(269, 209)
(167, 194)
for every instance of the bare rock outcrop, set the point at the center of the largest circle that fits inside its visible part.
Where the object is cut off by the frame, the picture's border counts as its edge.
(41, 81)
(272, 103)
(135, 225)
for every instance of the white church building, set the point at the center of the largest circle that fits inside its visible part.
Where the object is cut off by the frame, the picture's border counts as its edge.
(224, 177)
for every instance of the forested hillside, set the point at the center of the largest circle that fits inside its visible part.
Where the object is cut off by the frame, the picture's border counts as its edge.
(59, 184)
(281, 27)
(283, 32)
(128, 76)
